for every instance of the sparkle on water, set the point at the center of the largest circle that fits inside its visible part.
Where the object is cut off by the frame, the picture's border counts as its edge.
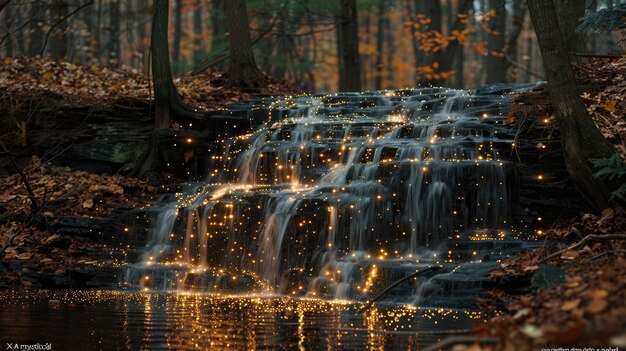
(189, 321)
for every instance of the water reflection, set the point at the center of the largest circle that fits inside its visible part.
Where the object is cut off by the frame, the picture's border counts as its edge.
(113, 320)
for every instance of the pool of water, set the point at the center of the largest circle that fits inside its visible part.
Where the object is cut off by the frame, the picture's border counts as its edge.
(105, 320)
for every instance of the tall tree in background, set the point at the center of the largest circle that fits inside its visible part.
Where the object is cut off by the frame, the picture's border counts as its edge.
(581, 138)
(37, 13)
(495, 61)
(58, 37)
(380, 35)
(197, 32)
(517, 23)
(432, 11)
(568, 12)
(348, 45)
(114, 40)
(243, 71)
(178, 29)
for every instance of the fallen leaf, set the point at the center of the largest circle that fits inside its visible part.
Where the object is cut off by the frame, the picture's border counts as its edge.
(570, 305)
(25, 256)
(596, 306)
(7, 197)
(88, 203)
(570, 255)
(531, 331)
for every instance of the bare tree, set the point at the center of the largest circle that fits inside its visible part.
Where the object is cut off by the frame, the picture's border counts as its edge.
(348, 41)
(581, 138)
(243, 71)
(495, 60)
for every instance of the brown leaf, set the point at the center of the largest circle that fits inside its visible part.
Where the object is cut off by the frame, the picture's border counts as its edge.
(570, 255)
(88, 203)
(597, 306)
(570, 305)
(7, 197)
(24, 256)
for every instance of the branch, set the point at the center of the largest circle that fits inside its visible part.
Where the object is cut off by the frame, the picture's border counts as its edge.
(517, 65)
(586, 239)
(34, 206)
(610, 252)
(398, 282)
(225, 54)
(596, 55)
(4, 3)
(45, 42)
(456, 340)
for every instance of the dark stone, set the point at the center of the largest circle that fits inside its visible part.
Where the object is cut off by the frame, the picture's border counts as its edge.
(548, 276)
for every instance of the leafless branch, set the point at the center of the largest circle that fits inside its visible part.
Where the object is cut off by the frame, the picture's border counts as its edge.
(61, 20)
(590, 237)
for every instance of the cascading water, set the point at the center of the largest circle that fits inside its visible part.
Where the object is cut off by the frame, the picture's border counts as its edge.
(340, 194)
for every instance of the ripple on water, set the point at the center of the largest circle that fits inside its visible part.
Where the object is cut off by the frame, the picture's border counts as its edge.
(109, 320)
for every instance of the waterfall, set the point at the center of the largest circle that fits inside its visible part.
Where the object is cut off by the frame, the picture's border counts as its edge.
(340, 194)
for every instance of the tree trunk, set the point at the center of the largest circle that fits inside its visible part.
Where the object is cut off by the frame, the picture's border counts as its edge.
(178, 30)
(114, 40)
(58, 38)
(37, 12)
(218, 15)
(380, 34)
(8, 48)
(350, 42)
(510, 47)
(495, 60)
(451, 51)
(568, 12)
(391, 49)
(243, 72)
(432, 11)
(167, 101)
(581, 138)
(161, 70)
(197, 32)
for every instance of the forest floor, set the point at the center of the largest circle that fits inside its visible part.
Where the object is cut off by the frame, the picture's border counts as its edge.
(578, 296)
(50, 239)
(583, 303)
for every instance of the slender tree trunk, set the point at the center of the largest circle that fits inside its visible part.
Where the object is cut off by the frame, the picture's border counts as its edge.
(340, 56)
(391, 76)
(510, 47)
(218, 15)
(380, 34)
(432, 11)
(161, 69)
(114, 40)
(416, 50)
(178, 30)
(197, 32)
(243, 71)
(37, 12)
(8, 16)
(581, 139)
(58, 38)
(495, 60)
(350, 42)
(454, 46)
